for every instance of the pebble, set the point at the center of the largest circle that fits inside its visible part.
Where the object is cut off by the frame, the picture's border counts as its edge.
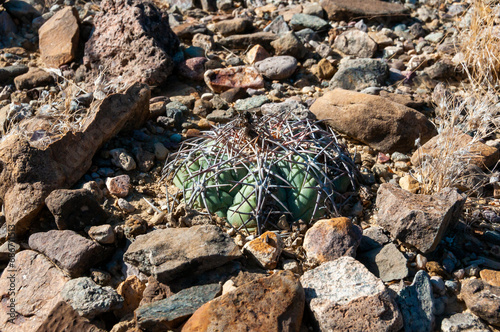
(125, 206)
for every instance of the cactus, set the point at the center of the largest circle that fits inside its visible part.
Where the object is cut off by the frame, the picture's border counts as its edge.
(253, 172)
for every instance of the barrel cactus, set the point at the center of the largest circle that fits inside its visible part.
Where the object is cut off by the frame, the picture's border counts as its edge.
(253, 172)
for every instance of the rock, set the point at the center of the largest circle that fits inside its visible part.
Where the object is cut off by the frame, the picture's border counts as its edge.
(131, 289)
(121, 158)
(73, 253)
(33, 78)
(380, 123)
(231, 27)
(90, 299)
(358, 74)
(125, 206)
(479, 153)
(241, 42)
(277, 67)
(250, 103)
(278, 26)
(491, 277)
(357, 43)
(59, 38)
(373, 237)
(289, 44)
(344, 296)
(222, 79)
(75, 209)
(265, 250)
(387, 263)
(482, 300)
(169, 313)
(169, 253)
(329, 239)
(22, 10)
(193, 68)
(103, 234)
(303, 21)
(221, 116)
(24, 185)
(137, 36)
(38, 285)
(463, 322)
(154, 291)
(277, 301)
(119, 185)
(7, 25)
(10, 72)
(418, 220)
(338, 10)
(8, 250)
(416, 303)
(64, 318)
(255, 54)
(288, 106)
(161, 152)
(325, 69)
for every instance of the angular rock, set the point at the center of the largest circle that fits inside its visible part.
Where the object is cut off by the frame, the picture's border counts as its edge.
(278, 26)
(231, 27)
(131, 289)
(418, 220)
(416, 303)
(373, 237)
(266, 249)
(132, 39)
(154, 291)
(38, 285)
(119, 185)
(73, 253)
(25, 184)
(250, 103)
(464, 322)
(482, 299)
(387, 263)
(103, 234)
(89, 299)
(22, 10)
(357, 43)
(303, 21)
(380, 123)
(358, 74)
(330, 239)
(168, 314)
(275, 303)
(64, 318)
(222, 79)
(344, 296)
(9, 72)
(289, 44)
(169, 253)
(75, 209)
(348, 10)
(33, 78)
(242, 41)
(277, 67)
(59, 38)
(491, 277)
(193, 68)
(476, 152)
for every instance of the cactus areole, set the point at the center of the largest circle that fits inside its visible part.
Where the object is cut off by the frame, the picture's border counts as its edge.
(252, 172)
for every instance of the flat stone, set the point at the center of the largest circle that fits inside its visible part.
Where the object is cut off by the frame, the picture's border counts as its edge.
(482, 299)
(464, 322)
(119, 185)
(173, 252)
(277, 67)
(348, 10)
(58, 37)
(277, 26)
(64, 318)
(222, 79)
(357, 43)
(38, 285)
(358, 74)
(387, 263)
(73, 253)
(231, 27)
(10, 72)
(171, 312)
(221, 116)
(380, 123)
(418, 220)
(242, 41)
(250, 103)
(329, 239)
(275, 303)
(344, 296)
(265, 250)
(89, 299)
(33, 78)
(303, 21)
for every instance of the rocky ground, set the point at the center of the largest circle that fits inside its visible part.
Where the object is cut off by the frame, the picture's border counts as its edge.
(96, 97)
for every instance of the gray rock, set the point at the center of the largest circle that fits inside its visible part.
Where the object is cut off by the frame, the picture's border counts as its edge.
(33, 78)
(434, 37)
(418, 220)
(221, 116)
(90, 299)
(349, 9)
(344, 296)
(312, 8)
(464, 322)
(169, 313)
(278, 26)
(357, 74)
(289, 44)
(416, 303)
(277, 67)
(387, 262)
(288, 106)
(303, 21)
(250, 103)
(357, 43)
(10, 72)
(373, 237)
(22, 10)
(169, 253)
(8, 250)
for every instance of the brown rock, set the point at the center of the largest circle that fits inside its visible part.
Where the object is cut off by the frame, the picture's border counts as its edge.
(289, 44)
(242, 41)
(231, 27)
(325, 69)
(38, 284)
(59, 37)
(491, 277)
(351, 9)
(132, 39)
(154, 291)
(275, 303)
(418, 220)
(222, 79)
(356, 42)
(119, 185)
(266, 249)
(131, 290)
(256, 54)
(37, 171)
(482, 299)
(382, 124)
(73, 253)
(474, 151)
(330, 239)
(33, 78)
(64, 318)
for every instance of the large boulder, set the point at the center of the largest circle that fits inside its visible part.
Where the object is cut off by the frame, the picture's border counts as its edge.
(132, 39)
(382, 124)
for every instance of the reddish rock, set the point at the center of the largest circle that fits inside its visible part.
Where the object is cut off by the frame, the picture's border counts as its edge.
(482, 299)
(256, 54)
(222, 79)
(33, 78)
(154, 291)
(275, 303)
(64, 318)
(193, 69)
(59, 38)
(132, 39)
(350, 9)
(266, 249)
(330, 239)
(119, 185)
(38, 284)
(131, 290)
